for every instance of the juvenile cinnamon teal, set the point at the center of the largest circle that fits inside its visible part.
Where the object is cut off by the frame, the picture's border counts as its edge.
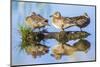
(61, 22)
(36, 21)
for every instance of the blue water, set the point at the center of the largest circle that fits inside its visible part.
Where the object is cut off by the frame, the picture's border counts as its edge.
(20, 10)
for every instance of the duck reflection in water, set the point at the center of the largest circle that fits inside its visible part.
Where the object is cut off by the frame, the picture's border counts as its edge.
(66, 49)
(36, 50)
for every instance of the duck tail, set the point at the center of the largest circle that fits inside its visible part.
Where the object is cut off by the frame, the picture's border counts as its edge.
(86, 15)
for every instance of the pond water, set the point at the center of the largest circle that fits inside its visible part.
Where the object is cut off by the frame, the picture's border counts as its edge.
(20, 10)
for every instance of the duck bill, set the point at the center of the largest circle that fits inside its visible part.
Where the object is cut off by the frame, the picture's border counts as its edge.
(51, 16)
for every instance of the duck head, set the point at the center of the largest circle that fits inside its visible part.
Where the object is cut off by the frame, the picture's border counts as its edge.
(56, 15)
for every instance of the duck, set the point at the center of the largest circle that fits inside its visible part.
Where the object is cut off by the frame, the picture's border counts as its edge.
(82, 45)
(62, 49)
(61, 22)
(57, 51)
(35, 21)
(36, 50)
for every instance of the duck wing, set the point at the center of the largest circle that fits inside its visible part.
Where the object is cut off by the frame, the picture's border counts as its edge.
(68, 22)
(37, 18)
(81, 21)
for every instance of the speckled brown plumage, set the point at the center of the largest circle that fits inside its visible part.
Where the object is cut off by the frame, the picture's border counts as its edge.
(61, 22)
(36, 21)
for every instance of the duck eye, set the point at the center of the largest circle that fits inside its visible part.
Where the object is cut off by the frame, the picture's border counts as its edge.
(46, 21)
